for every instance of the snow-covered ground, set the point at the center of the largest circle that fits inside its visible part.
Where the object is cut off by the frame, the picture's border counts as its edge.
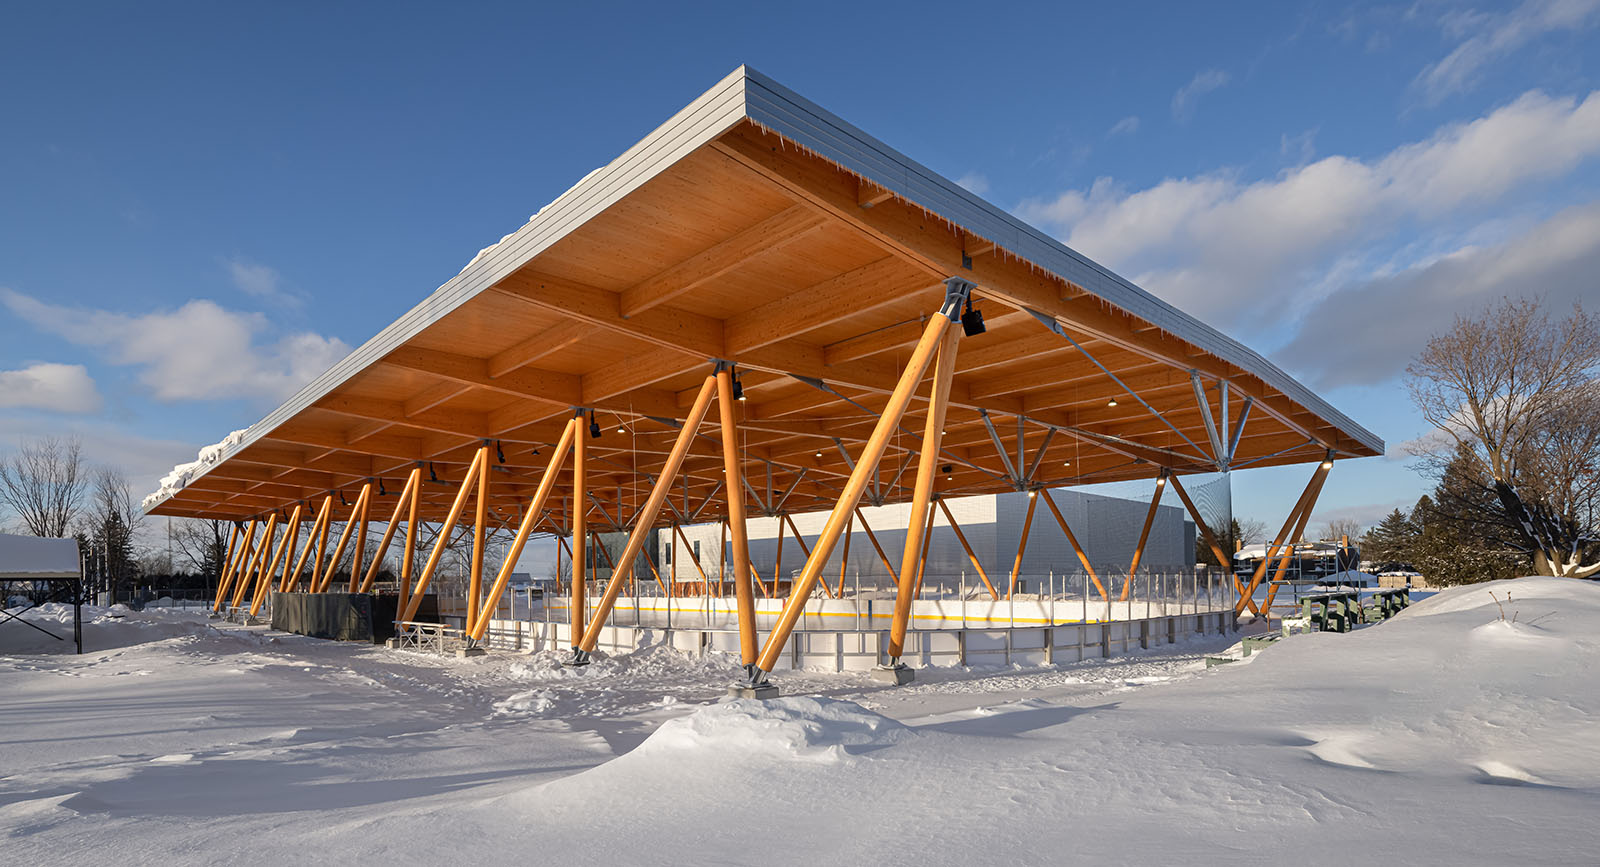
(1443, 736)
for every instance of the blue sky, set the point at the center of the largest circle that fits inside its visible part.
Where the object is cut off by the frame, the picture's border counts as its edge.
(201, 207)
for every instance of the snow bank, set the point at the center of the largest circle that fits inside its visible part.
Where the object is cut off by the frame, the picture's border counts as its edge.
(182, 474)
(806, 729)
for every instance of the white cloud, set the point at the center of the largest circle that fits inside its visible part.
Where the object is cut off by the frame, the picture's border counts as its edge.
(261, 281)
(199, 351)
(975, 183)
(1220, 247)
(1486, 38)
(1183, 102)
(143, 460)
(53, 387)
(1366, 333)
(1127, 126)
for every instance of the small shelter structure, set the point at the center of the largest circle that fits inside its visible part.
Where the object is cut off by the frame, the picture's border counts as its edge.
(53, 569)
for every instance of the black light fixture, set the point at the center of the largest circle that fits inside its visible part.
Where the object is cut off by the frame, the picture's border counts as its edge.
(819, 456)
(432, 476)
(342, 501)
(499, 452)
(972, 320)
(594, 426)
(1111, 402)
(738, 386)
(381, 491)
(948, 471)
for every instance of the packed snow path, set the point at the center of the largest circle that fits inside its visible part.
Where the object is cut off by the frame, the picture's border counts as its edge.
(1443, 736)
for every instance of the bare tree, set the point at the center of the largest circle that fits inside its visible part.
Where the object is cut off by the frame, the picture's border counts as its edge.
(111, 496)
(1341, 527)
(1252, 531)
(43, 482)
(1519, 392)
(202, 545)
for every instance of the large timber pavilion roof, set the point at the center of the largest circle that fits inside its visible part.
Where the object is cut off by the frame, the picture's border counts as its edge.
(757, 228)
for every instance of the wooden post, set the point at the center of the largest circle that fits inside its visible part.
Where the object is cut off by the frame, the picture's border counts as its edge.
(922, 559)
(647, 514)
(920, 521)
(388, 532)
(443, 540)
(480, 520)
(578, 609)
(873, 538)
(1272, 551)
(242, 582)
(344, 537)
(1073, 540)
(1022, 543)
(322, 546)
(1144, 535)
(866, 466)
(265, 581)
(1288, 554)
(234, 561)
(294, 538)
(318, 526)
(777, 566)
(844, 558)
(547, 483)
(1224, 561)
(360, 553)
(408, 556)
(962, 538)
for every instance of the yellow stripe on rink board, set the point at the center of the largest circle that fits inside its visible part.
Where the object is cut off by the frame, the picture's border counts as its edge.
(1034, 621)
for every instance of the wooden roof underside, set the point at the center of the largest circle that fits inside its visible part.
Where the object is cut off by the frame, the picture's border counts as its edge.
(751, 249)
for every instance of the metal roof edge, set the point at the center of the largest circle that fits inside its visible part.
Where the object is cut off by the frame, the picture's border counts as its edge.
(804, 122)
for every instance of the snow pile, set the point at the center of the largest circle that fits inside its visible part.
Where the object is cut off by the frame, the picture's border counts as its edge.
(183, 474)
(806, 729)
(532, 702)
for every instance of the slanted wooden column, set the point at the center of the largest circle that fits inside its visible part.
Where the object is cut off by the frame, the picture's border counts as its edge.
(315, 584)
(294, 538)
(480, 520)
(1144, 534)
(1022, 543)
(805, 550)
(965, 546)
(236, 549)
(319, 526)
(344, 538)
(844, 556)
(360, 551)
(647, 518)
(1279, 540)
(873, 538)
(1073, 541)
(1224, 560)
(257, 562)
(286, 544)
(920, 525)
(1288, 553)
(412, 481)
(443, 541)
(409, 555)
(530, 519)
(922, 558)
(578, 609)
(866, 466)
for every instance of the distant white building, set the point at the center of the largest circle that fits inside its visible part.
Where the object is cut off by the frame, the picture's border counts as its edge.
(1107, 528)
